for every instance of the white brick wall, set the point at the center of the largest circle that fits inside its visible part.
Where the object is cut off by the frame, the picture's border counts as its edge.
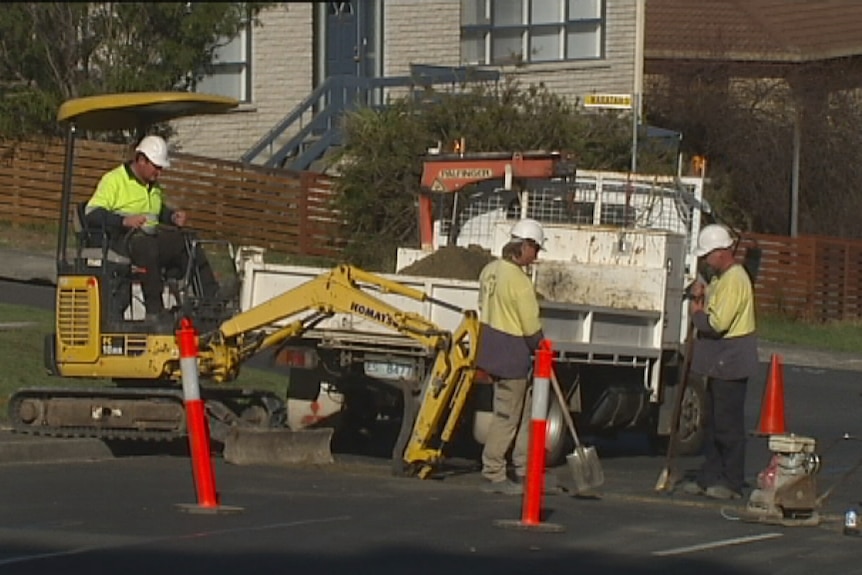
(614, 74)
(429, 33)
(281, 77)
(420, 32)
(415, 32)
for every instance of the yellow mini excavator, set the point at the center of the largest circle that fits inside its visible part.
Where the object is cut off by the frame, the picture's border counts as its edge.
(96, 337)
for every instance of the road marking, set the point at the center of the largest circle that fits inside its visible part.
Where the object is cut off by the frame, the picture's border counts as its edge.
(149, 541)
(716, 544)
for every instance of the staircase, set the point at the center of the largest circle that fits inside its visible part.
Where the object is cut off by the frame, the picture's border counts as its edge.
(305, 134)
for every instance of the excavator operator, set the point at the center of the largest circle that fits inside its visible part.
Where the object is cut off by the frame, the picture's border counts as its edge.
(129, 204)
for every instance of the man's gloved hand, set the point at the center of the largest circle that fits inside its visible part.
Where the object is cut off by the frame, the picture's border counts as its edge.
(135, 221)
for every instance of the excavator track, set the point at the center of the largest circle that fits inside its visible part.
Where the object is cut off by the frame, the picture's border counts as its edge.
(139, 414)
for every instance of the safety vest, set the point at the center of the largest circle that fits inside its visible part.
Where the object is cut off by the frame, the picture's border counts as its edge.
(119, 191)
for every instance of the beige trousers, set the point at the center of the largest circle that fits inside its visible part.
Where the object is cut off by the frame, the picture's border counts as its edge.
(511, 420)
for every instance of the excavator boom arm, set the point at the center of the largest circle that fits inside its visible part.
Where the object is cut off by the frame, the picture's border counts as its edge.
(338, 291)
(345, 290)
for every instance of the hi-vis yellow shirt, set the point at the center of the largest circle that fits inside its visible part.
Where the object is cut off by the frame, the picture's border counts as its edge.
(730, 305)
(509, 318)
(119, 191)
(507, 299)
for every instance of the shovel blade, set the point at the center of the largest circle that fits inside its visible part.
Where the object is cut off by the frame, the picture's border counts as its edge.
(586, 468)
(666, 480)
(255, 446)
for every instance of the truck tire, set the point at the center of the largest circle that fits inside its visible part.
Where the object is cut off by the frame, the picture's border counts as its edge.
(692, 419)
(558, 440)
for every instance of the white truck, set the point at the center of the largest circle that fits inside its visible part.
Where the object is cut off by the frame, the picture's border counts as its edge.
(619, 253)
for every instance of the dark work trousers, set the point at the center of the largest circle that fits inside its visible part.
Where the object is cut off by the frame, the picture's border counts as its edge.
(165, 250)
(725, 434)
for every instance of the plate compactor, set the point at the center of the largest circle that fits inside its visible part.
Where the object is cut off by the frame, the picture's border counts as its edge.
(786, 491)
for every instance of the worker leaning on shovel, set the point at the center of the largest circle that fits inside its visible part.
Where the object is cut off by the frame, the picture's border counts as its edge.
(511, 332)
(725, 352)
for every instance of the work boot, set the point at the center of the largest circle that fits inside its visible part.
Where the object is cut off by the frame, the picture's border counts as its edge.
(691, 488)
(722, 492)
(550, 485)
(504, 487)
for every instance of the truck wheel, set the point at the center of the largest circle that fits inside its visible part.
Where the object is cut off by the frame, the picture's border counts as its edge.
(410, 405)
(692, 418)
(558, 440)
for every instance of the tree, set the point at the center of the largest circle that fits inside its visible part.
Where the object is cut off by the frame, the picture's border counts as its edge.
(381, 162)
(53, 51)
(745, 128)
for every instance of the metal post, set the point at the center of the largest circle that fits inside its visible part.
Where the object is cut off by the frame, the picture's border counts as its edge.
(640, 21)
(635, 115)
(794, 178)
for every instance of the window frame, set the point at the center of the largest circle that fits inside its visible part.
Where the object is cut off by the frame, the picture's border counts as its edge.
(482, 33)
(243, 73)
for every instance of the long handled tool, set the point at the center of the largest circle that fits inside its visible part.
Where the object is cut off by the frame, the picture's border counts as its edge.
(584, 461)
(667, 478)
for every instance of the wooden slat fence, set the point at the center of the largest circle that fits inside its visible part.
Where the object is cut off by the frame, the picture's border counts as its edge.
(277, 209)
(810, 277)
(814, 278)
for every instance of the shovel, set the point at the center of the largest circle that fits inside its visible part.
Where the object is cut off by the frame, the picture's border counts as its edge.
(583, 461)
(667, 478)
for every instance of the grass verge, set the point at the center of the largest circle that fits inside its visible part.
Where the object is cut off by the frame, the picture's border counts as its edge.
(833, 336)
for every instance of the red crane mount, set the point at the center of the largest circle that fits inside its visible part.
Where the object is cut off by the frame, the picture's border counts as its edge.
(450, 173)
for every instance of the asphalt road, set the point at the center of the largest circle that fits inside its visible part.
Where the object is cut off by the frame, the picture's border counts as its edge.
(123, 516)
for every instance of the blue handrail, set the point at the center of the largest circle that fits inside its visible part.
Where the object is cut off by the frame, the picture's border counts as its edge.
(331, 99)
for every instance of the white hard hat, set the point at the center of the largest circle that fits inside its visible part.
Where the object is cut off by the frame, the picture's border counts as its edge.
(528, 229)
(712, 237)
(156, 151)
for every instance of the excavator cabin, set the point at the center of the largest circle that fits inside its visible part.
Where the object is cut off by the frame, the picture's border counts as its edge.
(99, 313)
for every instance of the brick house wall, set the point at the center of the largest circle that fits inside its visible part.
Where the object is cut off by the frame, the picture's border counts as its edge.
(414, 32)
(281, 69)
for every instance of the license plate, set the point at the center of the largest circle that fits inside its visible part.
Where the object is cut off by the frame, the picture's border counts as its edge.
(389, 370)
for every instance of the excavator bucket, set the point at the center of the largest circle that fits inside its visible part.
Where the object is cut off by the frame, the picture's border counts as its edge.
(256, 446)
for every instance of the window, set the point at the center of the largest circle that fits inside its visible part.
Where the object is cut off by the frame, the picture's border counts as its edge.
(520, 31)
(231, 66)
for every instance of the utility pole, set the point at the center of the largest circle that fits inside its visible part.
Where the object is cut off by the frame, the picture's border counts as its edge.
(637, 104)
(794, 177)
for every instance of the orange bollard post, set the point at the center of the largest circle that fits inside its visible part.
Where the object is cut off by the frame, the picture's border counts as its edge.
(772, 420)
(198, 429)
(532, 503)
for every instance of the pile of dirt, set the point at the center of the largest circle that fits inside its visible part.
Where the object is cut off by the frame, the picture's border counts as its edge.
(452, 262)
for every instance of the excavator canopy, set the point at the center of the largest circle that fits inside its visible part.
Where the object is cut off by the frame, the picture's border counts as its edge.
(132, 110)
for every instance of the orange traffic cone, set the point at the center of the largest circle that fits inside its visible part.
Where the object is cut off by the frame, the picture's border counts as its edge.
(772, 407)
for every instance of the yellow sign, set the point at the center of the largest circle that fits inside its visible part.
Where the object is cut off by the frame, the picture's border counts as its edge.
(617, 101)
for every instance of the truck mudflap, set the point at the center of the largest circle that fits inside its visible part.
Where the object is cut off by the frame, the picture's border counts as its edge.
(136, 413)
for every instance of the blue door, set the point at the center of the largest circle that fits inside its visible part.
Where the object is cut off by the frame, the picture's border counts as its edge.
(342, 39)
(351, 38)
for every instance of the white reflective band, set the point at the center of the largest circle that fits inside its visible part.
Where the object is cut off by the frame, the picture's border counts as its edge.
(540, 398)
(189, 370)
